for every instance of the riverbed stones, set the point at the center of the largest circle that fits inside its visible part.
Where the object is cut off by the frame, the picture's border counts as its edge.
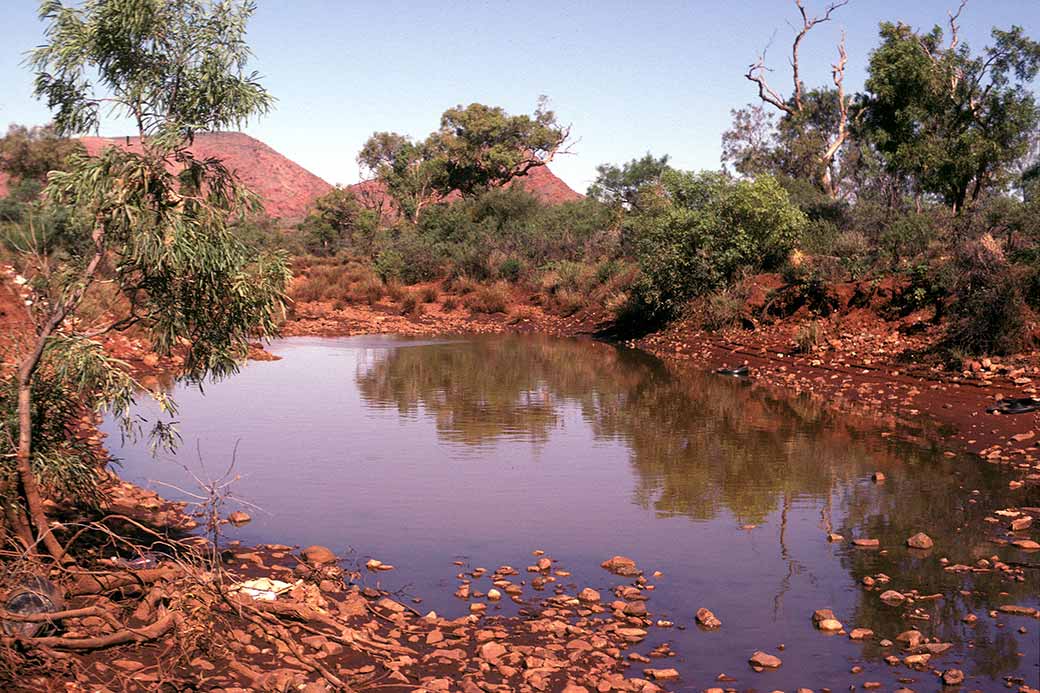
(866, 543)
(707, 619)
(318, 555)
(1021, 524)
(239, 518)
(589, 595)
(829, 625)
(861, 634)
(1026, 545)
(952, 677)
(621, 565)
(892, 598)
(661, 674)
(764, 660)
(920, 541)
(910, 638)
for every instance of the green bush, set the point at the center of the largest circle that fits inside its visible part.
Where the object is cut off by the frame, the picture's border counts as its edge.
(712, 228)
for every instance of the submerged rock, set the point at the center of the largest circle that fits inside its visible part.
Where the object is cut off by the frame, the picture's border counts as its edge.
(920, 541)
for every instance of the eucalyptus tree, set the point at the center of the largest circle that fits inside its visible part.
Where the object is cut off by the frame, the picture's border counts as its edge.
(476, 148)
(954, 120)
(156, 224)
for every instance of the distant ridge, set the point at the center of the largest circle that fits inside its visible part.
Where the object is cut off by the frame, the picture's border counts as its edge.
(287, 189)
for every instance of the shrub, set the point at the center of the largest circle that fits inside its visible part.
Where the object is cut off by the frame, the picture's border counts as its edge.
(569, 302)
(722, 309)
(368, 291)
(411, 304)
(493, 298)
(450, 304)
(429, 294)
(510, 270)
(394, 291)
(987, 315)
(712, 228)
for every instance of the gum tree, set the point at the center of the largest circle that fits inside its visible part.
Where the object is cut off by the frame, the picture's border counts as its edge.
(953, 120)
(156, 225)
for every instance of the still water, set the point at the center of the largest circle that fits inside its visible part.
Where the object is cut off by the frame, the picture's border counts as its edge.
(421, 453)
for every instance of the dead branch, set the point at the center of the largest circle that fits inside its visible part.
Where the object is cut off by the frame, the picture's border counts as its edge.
(827, 158)
(152, 631)
(807, 24)
(55, 616)
(103, 582)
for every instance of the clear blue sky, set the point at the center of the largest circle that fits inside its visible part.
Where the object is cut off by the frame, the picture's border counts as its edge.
(657, 75)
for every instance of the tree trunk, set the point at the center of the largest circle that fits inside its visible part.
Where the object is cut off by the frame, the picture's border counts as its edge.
(31, 489)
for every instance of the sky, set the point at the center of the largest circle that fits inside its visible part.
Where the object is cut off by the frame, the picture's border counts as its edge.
(628, 77)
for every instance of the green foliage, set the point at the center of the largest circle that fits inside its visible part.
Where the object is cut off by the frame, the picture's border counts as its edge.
(952, 120)
(712, 228)
(75, 375)
(623, 186)
(476, 149)
(174, 67)
(337, 222)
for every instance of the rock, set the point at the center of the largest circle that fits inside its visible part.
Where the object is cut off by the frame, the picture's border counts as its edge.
(1016, 610)
(861, 634)
(589, 595)
(574, 688)
(920, 541)
(834, 538)
(764, 660)
(127, 664)
(829, 625)
(239, 518)
(910, 638)
(637, 608)
(494, 595)
(866, 543)
(1021, 524)
(661, 674)
(878, 477)
(1026, 544)
(952, 677)
(492, 651)
(621, 565)
(707, 619)
(318, 555)
(892, 598)
(822, 615)
(916, 660)
(632, 634)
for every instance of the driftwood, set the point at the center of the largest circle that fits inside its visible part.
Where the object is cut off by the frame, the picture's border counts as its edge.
(123, 636)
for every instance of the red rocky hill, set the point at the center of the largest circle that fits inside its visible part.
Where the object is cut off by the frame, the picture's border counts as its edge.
(288, 189)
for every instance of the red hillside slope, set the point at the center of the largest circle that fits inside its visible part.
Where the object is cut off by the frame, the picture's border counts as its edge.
(286, 188)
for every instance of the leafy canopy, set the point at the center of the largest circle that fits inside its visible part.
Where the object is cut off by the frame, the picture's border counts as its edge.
(622, 186)
(476, 148)
(153, 222)
(952, 119)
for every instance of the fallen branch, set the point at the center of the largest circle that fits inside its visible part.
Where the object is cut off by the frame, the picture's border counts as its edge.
(127, 635)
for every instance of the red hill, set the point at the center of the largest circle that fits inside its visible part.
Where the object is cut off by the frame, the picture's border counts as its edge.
(287, 189)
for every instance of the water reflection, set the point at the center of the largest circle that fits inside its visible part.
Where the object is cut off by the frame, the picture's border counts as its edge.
(701, 445)
(419, 452)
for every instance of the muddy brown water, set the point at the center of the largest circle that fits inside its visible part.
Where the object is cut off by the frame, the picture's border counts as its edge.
(421, 453)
